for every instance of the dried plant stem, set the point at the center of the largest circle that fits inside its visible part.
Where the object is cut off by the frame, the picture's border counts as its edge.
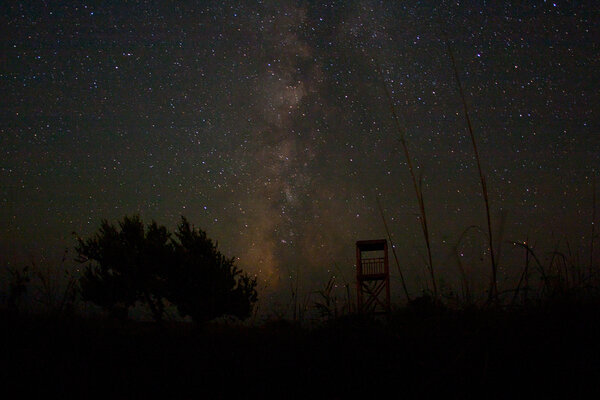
(493, 295)
(541, 270)
(463, 274)
(417, 186)
(393, 250)
(524, 276)
(591, 272)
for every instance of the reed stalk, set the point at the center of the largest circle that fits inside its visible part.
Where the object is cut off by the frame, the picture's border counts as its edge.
(493, 293)
(393, 250)
(591, 272)
(417, 186)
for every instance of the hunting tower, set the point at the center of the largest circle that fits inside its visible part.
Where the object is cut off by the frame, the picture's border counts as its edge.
(372, 276)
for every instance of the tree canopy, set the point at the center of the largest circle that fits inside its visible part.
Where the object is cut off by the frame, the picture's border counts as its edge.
(129, 262)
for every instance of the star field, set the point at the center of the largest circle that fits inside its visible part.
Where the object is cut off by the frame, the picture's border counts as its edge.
(266, 124)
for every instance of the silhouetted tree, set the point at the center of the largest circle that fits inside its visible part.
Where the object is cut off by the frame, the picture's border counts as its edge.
(130, 263)
(204, 283)
(127, 265)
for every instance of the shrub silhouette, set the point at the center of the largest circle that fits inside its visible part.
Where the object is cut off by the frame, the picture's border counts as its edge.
(129, 263)
(205, 284)
(17, 286)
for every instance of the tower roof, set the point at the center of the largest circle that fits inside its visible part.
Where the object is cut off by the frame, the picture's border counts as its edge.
(371, 245)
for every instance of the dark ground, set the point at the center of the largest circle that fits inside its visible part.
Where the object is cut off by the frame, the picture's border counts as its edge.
(550, 350)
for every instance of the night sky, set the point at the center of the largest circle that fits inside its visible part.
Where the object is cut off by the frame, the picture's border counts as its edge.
(266, 124)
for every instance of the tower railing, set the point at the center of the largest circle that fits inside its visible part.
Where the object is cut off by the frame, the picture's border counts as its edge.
(373, 266)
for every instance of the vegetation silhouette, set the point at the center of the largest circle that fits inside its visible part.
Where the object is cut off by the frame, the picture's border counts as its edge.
(205, 284)
(17, 286)
(129, 262)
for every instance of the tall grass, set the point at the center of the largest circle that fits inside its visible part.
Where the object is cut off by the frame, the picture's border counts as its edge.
(393, 250)
(593, 234)
(299, 304)
(466, 285)
(493, 293)
(561, 277)
(327, 304)
(418, 187)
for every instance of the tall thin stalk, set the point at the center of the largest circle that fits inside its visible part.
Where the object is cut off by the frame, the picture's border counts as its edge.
(524, 276)
(393, 250)
(463, 274)
(493, 295)
(417, 186)
(593, 225)
(544, 276)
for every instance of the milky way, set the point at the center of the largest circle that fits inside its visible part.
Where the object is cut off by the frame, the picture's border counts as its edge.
(266, 124)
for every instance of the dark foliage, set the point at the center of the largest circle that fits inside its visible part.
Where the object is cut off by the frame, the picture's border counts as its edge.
(130, 263)
(205, 284)
(17, 286)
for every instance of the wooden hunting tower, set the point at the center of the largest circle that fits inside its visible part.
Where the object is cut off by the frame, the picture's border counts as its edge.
(372, 276)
